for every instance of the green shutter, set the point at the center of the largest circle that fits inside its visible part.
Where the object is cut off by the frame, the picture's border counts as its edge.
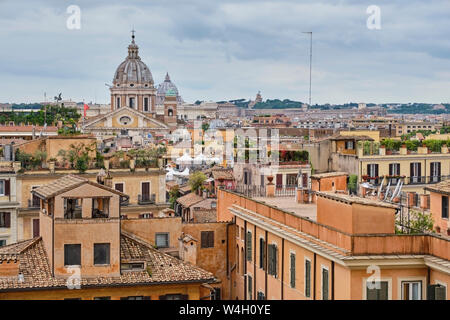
(292, 270)
(307, 278)
(249, 246)
(324, 284)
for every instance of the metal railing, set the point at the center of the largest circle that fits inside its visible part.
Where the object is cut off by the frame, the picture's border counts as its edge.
(33, 203)
(250, 190)
(147, 198)
(285, 190)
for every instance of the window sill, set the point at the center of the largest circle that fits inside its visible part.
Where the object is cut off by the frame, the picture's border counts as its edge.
(102, 265)
(72, 266)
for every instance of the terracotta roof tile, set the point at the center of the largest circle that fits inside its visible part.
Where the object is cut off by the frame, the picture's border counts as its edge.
(189, 200)
(35, 268)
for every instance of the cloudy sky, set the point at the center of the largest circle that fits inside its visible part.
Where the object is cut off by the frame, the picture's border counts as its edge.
(228, 49)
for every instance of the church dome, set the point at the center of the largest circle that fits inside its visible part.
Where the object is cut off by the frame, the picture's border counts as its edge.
(133, 72)
(167, 87)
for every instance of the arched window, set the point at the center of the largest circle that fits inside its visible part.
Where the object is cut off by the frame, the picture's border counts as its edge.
(170, 113)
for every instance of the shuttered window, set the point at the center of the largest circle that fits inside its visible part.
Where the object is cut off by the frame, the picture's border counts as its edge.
(378, 294)
(262, 254)
(273, 259)
(445, 207)
(250, 287)
(5, 220)
(162, 240)
(307, 278)
(292, 270)
(248, 246)
(324, 284)
(207, 239)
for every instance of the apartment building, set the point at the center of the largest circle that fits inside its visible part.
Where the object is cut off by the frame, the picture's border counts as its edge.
(341, 247)
(8, 205)
(83, 253)
(145, 189)
(439, 206)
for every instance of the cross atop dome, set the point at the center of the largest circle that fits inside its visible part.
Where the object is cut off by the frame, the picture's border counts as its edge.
(132, 35)
(167, 77)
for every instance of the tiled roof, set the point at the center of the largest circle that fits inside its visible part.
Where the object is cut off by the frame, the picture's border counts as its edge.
(358, 138)
(35, 268)
(189, 199)
(441, 187)
(67, 183)
(59, 186)
(225, 174)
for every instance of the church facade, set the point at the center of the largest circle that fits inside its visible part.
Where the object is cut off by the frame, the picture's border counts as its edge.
(134, 102)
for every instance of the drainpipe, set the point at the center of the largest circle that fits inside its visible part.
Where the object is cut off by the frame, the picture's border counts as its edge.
(282, 269)
(265, 264)
(254, 263)
(245, 260)
(332, 280)
(314, 278)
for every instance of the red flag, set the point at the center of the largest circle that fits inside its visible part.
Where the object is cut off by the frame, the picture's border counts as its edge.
(86, 107)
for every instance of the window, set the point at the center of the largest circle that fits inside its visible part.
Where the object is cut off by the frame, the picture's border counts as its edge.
(349, 145)
(248, 246)
(262, 254)
(2, 243)
(292, 270)
(372, 170)
(162, 240)
(379, 292)
(102, 298)
(145, 104)
(394, 169)
(307, 278)
(118, 103)
(174, 297)
(72, 254)
(101, 253)
(2, 187)
(260, 296)
(445, 207)
(131, 103)
(250, 287)
(132, 266)
(70, 209)
(415, 172)
(207, 239)
(411, 290)
(435, 171)
(324, 284)
(273, 259)
(119, 187)
(436, 292)
(5, 220)
(100, 207)
(135, 298)
(125, 120)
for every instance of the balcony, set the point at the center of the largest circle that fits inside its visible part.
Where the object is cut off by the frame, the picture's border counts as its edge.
(34, 203)
(146, 199)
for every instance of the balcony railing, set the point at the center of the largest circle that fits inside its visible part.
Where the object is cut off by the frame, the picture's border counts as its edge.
(34, 203)
(147, 198)
(407, 180)
(124, 201)
(285, 190)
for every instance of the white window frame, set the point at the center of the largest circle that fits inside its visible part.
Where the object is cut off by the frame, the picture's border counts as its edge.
(411, 279)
